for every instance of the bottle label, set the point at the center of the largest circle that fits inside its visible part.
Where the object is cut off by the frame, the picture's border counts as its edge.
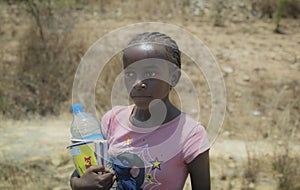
(94, 137)
(75, 152)
(84, 156)
(89, 153)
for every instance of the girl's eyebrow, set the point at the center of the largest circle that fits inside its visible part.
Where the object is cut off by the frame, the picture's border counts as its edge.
(155, 66)
(152, 67)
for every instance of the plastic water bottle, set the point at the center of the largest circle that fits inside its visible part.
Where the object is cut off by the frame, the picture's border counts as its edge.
(84, 126)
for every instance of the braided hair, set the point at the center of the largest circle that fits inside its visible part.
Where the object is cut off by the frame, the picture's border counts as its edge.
(172, 50)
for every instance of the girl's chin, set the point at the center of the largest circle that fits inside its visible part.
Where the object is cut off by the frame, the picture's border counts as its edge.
(142, 106)
(141, 103)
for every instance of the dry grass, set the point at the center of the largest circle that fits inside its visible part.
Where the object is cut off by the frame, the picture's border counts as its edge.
(48, 53)
(39, 173)
(252, 166)
(47, 59)
(39, 81)
(268, 8)
(278, 127)
(285, 162)
(106, 82)
(287, 168)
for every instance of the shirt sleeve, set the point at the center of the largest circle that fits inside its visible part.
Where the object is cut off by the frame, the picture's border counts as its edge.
(196, 143)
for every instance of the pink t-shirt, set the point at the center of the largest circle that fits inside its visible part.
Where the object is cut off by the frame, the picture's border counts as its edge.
(161, 153)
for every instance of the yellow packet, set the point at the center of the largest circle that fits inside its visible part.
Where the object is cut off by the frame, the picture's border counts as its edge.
(88, 153)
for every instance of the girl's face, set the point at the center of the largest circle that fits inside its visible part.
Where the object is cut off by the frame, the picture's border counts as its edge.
(146, 78)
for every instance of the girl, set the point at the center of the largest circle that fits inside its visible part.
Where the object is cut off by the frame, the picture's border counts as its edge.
(153, 145)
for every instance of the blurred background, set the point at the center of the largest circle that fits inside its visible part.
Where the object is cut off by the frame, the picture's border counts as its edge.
(255, 42)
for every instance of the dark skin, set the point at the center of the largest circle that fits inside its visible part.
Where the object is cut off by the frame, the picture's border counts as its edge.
(148, 76)
(156, 88)
(199, 171)
(95, 178)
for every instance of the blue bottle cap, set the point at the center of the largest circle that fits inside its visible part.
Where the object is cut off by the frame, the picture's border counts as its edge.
(77, 108)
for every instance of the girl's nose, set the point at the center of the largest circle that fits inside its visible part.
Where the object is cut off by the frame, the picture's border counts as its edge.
(140, 85)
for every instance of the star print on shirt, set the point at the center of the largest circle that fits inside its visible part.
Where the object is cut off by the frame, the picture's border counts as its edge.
(128, 140)
(156, 164)
(149, 177)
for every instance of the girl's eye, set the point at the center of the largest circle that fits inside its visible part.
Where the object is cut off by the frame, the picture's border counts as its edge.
(129, 74)
(150, 74)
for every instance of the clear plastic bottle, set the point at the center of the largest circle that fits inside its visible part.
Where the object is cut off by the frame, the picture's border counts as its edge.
(84, 126)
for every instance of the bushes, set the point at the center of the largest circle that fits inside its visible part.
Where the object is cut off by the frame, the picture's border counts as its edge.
(276, 9)
(48, 58)
(41, 78)
(268, 8)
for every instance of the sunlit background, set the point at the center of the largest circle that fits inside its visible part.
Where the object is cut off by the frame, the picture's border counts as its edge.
(255, 42)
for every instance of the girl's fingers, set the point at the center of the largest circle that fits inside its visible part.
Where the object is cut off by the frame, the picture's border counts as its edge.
(96, 169)
(107, 170)
(107, 179)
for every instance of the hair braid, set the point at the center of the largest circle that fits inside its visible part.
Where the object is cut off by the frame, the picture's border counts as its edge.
(172, 49)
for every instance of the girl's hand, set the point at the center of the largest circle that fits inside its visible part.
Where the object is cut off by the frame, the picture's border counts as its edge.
(96, 177)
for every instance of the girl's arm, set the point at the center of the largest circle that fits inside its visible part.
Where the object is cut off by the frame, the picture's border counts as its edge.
(199, 172)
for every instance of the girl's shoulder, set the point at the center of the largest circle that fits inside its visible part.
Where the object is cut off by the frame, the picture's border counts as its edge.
(189, 120)
(118, 110)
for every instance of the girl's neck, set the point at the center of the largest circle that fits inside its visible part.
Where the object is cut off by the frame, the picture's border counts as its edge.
(144, 115)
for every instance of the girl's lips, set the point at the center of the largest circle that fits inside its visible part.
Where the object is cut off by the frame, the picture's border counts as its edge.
(137, 95)
(142, 96)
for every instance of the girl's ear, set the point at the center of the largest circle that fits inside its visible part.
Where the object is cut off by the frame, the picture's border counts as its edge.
(175, 76)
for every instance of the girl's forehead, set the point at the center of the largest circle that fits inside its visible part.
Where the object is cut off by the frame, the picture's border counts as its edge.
(144, 51)
(150, 63)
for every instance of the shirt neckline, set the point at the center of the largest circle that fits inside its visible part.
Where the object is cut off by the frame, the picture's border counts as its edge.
(134, 128)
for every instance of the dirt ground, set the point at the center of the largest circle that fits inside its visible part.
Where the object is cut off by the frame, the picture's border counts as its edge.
(260, 132)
